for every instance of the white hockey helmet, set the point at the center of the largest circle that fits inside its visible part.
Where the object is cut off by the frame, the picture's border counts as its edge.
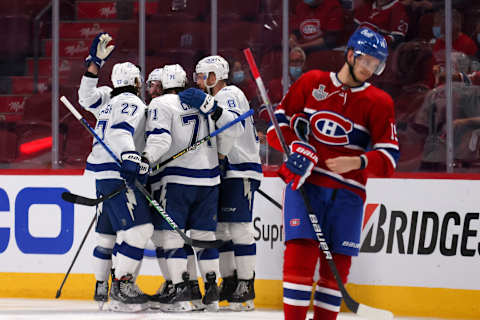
(173, 76)
(155, 75)
(126, 74)
(215, 64)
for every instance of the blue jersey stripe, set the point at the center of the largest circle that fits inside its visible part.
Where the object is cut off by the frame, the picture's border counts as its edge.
(96, 104)
(157, 131)
(245, 166)
(186, 172)
(108, 166)
(125, 126)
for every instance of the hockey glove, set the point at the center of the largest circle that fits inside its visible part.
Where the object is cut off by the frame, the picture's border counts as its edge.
(144, 171)
(99, 51)
(299, 164)
(130, 167)
(198, 99)
(301, 126)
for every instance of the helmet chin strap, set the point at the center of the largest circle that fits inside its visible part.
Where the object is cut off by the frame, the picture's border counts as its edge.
(352, 74)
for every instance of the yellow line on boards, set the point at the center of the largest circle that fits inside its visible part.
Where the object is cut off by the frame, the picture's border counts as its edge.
(402, 301)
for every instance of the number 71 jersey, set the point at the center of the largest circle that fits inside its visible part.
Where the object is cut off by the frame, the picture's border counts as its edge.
(172, 127)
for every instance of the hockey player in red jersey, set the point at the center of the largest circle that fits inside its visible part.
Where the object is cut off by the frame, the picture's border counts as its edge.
(340, 129)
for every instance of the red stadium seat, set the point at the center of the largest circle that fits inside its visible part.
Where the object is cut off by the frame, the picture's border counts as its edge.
(326, 60)
(271, 65)
(191, 35)
(15, 36)
(193, 9)
(242, 34)
(8, 145)
(229, 10)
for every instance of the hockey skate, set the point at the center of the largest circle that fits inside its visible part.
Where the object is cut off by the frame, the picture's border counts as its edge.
(196, 296)
(210, 299)
(125, 296)
(159, 298)
(228, 285)
(178, 299)
(242, 297)
(101, 293)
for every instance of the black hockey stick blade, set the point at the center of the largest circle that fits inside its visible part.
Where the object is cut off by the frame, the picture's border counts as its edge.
(77, 199)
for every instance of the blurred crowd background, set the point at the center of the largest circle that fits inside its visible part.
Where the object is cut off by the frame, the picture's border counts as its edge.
(180, 31)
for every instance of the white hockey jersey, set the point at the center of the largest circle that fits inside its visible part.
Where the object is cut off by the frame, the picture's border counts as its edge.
(172, 127)
(120, 124)
(242, 151)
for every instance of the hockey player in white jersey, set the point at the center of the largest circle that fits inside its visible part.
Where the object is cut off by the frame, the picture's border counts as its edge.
(154, 83)
(115, 215)
(241, 176)
(187, 187)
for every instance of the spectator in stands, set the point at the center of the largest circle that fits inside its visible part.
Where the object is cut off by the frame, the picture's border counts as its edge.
(296, 66)
(460, 41)
(388, 17)
(240, 77)
(317, 25)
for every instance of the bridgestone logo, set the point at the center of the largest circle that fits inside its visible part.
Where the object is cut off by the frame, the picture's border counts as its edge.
(423, 233)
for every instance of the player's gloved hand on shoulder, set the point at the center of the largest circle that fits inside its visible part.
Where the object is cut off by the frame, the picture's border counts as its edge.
(144, 171)
(301, 125)
(198, 99)
(299, 164)
(130, 167)
(100, 51)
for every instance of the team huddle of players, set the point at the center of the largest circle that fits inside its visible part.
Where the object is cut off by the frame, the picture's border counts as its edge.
(338, 127)
(207, 191)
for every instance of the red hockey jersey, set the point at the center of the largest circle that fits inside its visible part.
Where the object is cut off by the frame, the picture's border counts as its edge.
(343, 122)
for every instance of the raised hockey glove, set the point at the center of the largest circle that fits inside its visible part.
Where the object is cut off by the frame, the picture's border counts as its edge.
(99, 50)
(299, 164)
(301, 125)
(198, 99)
(144, 171)
(130, 167)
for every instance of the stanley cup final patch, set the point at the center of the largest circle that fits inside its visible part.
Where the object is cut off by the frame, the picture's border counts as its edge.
(320, 94)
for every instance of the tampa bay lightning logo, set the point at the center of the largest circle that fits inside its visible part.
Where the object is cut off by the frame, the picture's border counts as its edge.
(331, 128)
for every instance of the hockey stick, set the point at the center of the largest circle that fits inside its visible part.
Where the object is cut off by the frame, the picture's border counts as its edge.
(74, 198)
(59, 291)
(77, 199)
(141, 188)
(204, 139)
(273, 201)
(354, 306)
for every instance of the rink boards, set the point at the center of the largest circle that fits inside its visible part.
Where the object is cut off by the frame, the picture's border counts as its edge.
(419, 249)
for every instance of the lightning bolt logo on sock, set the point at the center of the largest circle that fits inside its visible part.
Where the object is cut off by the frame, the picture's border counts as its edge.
(131, 201)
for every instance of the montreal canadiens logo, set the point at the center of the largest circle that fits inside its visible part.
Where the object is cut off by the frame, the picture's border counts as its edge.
(294, 222)
(310, 28)
(331, 128)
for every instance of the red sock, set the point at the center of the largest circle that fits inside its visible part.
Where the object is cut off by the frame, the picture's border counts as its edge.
(327, 295)
(300, 259)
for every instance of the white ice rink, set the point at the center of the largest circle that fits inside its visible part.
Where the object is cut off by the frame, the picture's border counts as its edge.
(23, 309)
